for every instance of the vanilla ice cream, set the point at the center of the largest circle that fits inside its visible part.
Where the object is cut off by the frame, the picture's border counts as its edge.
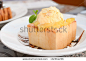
(49, 15)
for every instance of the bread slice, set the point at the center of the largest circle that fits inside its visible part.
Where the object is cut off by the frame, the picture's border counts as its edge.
(52, 40)
(9, 13)
(2, 13)
(0, 17)
(5, 13)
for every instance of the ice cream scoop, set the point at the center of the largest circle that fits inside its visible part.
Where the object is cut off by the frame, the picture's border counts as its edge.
(49, 15)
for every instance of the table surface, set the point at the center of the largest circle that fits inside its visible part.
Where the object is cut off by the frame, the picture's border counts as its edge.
(6, 52)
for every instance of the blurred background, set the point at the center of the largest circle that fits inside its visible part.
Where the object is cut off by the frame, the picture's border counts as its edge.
(69, 2)
(65, 6)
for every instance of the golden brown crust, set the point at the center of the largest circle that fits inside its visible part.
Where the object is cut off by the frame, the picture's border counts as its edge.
(5, 14)
(1, 15)
(9, 13)
(51, 40)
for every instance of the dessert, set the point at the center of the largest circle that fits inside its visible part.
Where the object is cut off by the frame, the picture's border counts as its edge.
(50, 31)
(5, 13)
(9, 12)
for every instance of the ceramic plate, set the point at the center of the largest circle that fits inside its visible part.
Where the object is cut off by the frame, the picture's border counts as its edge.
(17, 11)
(9, 37)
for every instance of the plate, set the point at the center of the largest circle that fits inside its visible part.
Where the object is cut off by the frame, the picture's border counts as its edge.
(10, 32)
(17, 11)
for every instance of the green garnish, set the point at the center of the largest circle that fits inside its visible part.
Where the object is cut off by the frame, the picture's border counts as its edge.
(33, 17)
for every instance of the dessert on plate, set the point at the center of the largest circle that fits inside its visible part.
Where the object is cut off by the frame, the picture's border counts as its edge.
(5, 12)
(50, 31)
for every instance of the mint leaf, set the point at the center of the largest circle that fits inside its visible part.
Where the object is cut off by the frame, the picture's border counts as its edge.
(33, 17)
(34, 11)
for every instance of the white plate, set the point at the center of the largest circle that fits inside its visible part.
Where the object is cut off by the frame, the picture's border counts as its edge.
(9, 38)
(17, 11)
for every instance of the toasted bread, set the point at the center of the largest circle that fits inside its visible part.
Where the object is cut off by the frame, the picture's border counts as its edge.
(5, 14)
(52, 40)
(0, 17)
(2, 13)
(9, 13)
